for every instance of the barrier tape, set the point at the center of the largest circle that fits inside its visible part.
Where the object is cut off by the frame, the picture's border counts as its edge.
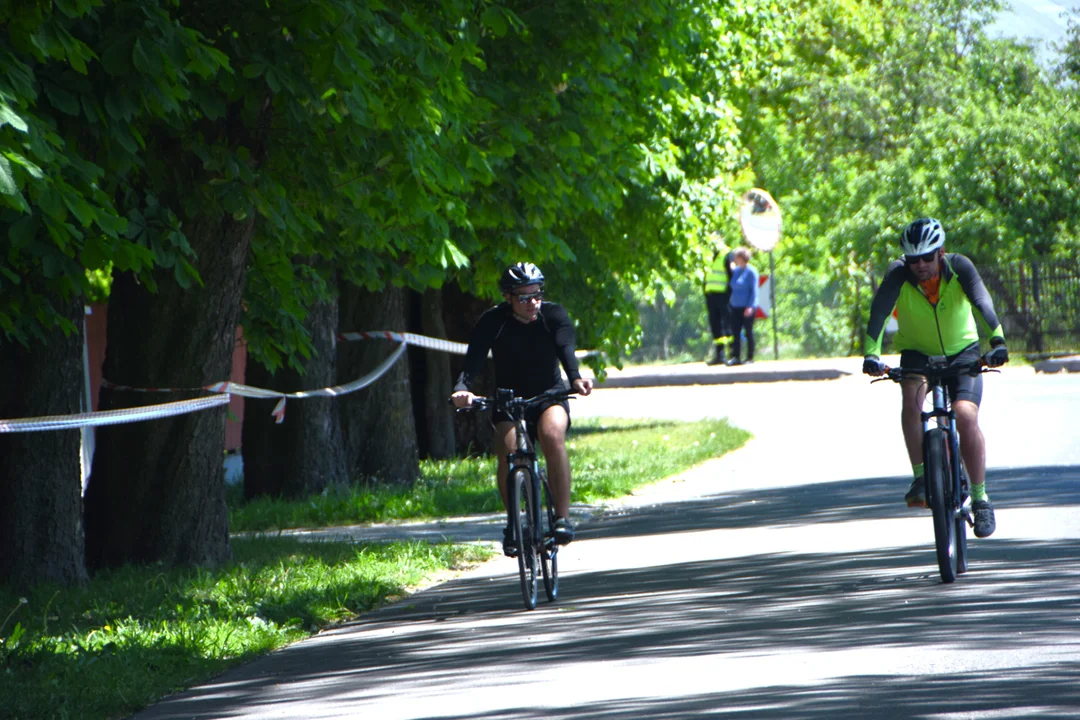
(429, 342)
(226, 389)
(279, 409)
(111, 417)
(408, 338)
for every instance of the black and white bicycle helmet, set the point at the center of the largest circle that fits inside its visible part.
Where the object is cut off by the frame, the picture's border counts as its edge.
(519, 275)
(922, 236)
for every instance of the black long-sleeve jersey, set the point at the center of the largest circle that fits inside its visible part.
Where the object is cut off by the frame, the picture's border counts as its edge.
(526, 355)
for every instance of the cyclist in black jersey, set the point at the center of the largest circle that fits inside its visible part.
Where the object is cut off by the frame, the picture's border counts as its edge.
(939, 298)
(528, 340)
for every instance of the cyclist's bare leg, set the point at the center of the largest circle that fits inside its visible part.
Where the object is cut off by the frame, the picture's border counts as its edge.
(913, 391)
(551, 432)
(972, 443)
(504, 439)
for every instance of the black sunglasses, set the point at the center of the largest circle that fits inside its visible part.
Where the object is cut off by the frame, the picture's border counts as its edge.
(526, 297)
(925, 257)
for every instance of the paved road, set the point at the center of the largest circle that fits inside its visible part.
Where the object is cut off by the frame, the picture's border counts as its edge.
(785, 580)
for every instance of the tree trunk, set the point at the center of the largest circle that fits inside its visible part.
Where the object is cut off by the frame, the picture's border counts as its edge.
(41, 533)
(304, 454)
(157, 488)
(473, 431)
(434, 416)
(377, 421)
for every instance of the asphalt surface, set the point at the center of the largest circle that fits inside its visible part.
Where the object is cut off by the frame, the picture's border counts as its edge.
(783, 580)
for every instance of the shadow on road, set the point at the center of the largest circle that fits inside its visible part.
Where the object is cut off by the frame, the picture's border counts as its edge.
(866, 499)
(844, 622)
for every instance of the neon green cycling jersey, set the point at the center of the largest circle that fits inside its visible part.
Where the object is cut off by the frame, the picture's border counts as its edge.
(946, 328)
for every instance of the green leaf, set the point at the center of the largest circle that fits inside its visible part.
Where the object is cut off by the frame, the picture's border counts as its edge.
(117, 57)
(146, 61)
(22, 231)
(136, 225)
(80, 208)
(33, 170)
(254, 70)
(62, 100)
(9, 117)
(459, 258)
(495, 21)
(7, 180)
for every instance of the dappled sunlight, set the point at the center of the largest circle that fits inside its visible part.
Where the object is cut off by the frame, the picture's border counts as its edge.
(779, 602)
(701, 634)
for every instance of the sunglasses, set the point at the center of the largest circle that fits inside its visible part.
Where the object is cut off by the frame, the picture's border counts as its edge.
(925, 257)
(526, 297)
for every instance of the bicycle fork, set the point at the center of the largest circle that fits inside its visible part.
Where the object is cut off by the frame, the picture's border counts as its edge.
(946, 420)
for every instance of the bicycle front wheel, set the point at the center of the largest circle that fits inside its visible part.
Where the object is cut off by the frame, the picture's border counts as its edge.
(549, 553)
(939, 497)
(522, 503)
(962, 514)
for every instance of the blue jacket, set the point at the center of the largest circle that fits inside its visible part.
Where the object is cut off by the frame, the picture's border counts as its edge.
(744, 287)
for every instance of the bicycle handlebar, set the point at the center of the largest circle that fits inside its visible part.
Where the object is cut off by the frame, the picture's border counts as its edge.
(511, 403)
(936, 371)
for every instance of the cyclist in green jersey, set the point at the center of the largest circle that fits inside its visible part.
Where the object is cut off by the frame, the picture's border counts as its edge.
(940, 301)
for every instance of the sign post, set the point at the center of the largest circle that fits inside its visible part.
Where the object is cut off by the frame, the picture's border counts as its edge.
(759, 218)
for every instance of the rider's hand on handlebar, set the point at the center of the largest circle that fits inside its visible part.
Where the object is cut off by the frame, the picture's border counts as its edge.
(462, 399)
(583, 386)
(872, 365)
(999, 355)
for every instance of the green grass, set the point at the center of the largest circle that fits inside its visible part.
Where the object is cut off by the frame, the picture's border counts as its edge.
(608, 459)
(136, 634)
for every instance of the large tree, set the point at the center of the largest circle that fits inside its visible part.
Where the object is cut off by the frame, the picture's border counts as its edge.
(41, 537)
(71, 136)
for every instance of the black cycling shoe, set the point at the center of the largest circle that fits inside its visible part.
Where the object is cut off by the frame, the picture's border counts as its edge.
(916, 494)
(564, 531)
(510, 548)
(985, 524)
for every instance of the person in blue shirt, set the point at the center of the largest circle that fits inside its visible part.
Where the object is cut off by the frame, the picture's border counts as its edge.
(744, 303)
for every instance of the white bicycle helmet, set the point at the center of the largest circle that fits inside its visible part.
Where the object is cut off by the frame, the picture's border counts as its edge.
(922, 236)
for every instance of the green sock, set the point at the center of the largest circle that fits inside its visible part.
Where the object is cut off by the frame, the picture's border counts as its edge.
(918, 470)
(978, 492)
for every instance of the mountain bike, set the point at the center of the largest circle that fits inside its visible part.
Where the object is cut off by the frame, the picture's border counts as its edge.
(530, 504)
(947, 492)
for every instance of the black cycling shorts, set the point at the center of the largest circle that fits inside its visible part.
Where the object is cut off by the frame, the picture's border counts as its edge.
(532, 415)
(964, 386)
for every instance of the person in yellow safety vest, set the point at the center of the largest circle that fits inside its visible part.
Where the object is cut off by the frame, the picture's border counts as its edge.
(717, 295)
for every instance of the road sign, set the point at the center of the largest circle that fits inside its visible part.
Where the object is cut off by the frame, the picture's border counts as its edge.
(759, 218)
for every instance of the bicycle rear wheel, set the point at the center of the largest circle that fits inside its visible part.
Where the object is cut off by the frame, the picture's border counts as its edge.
(549, 553)
(939, 497)
(520, 491)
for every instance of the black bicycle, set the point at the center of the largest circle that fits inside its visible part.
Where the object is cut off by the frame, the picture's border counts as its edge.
(947, 492)
(529, 501)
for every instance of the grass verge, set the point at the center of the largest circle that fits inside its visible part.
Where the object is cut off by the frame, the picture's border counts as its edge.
(136, 634)
(609, 458)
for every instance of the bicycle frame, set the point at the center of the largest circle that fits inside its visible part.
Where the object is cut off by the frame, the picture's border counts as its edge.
(944, 417)
(952, 511)
(537, 550)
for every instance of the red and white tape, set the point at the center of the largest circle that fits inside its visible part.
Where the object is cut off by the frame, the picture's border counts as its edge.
(427, 342)
(225, 389)
(111, 417)
(408, 338)
(279, 409)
